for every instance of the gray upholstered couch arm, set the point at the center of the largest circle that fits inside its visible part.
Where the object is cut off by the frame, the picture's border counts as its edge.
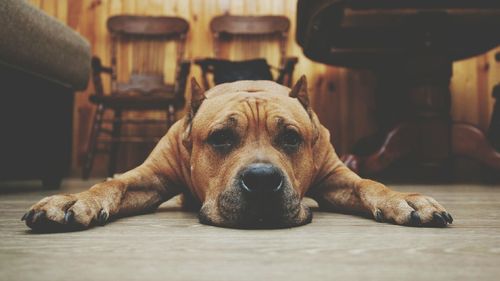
(36, 43)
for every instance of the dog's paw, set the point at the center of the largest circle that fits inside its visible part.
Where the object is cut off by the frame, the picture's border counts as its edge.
(412, 209)
(65, 213)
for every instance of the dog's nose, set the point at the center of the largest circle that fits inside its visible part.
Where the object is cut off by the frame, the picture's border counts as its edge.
(261, 177)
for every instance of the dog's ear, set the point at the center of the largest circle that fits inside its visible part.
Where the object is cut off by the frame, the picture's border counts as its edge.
(197, 98)
(299, 91)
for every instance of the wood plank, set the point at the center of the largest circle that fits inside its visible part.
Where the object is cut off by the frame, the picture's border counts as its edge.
(171, 245)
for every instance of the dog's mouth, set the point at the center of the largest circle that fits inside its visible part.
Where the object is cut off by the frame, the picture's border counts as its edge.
(260, 196)
(236, 208)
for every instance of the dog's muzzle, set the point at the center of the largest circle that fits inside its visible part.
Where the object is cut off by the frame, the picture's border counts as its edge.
(260, 196)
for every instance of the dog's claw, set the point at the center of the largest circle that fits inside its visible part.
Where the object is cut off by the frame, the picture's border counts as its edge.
(38, 216)
(103, 217)
(379, 217)
(447, 217)
(69, 217)
(415, 218)
(27, 216)
(439, 219)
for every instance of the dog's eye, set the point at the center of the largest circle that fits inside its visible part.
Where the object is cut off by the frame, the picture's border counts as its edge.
(222, 139)
(291, 139)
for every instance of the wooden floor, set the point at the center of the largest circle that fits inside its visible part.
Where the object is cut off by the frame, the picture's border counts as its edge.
(172, 245)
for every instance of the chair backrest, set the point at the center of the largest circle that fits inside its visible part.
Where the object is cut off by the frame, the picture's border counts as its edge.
(138, 50)
(227, 26)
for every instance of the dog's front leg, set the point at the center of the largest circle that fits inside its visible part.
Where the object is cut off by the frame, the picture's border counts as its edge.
(338, 188)
(344, 191)
(137, 191)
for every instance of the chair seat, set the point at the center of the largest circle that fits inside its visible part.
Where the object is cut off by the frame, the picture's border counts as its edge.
(225, 71)
(138, 102)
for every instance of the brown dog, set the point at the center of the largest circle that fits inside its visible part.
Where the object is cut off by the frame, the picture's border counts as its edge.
(248, 152)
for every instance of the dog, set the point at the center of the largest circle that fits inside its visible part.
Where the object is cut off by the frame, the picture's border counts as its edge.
(247, 152)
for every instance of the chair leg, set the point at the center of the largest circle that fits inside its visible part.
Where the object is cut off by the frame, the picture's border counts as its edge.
(398, 143)
(115, 143)
(470, 141)
(170, 116)
(92, 144)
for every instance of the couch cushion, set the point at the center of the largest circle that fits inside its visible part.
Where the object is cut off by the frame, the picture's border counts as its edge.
(36, 43)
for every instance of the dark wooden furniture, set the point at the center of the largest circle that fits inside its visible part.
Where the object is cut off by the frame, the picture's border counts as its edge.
(146, 39)
(494, 129)
(43, 63)
(411, 46)
(226, 27)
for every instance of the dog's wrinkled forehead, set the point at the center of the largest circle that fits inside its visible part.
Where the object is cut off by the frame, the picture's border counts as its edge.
(261, 105)
(261, 99)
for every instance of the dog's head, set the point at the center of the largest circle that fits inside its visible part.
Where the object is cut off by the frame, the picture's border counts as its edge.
(251, 153)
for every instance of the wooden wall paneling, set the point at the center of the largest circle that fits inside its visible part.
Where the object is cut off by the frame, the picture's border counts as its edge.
(237, 7)
(361, 106)
(326, 84)
(341, 115)
(472, 82)
(84, 16)
(483, 109)
(463, 87)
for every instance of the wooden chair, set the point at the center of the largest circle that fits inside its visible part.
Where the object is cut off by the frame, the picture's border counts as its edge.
(142, 42)
(228, 27)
